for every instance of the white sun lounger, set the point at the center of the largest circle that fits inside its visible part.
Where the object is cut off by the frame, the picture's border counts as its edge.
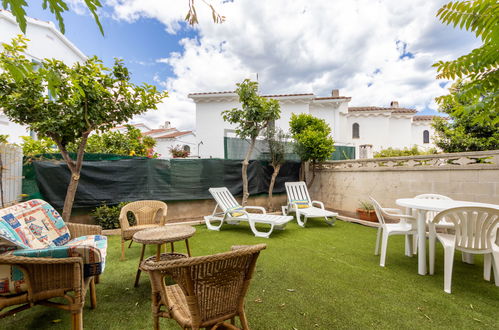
(227, 203)
(297, 191)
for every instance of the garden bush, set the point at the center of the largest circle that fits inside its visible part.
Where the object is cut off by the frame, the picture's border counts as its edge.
(108, 217)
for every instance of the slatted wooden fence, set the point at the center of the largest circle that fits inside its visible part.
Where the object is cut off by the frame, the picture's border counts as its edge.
(11, 170)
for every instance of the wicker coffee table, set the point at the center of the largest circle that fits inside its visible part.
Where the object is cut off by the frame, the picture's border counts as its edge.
(160, 236)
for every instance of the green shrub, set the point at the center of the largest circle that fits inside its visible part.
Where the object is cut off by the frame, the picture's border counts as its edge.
(414, 151)
(108, 217)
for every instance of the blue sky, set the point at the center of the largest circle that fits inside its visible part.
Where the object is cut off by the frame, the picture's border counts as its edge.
(139, 43)
(373, 51)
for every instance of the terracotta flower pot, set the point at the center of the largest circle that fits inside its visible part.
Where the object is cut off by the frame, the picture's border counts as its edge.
(368, 215)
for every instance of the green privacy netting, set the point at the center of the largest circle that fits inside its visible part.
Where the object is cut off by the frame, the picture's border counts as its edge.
(117, 179)
(235, 148)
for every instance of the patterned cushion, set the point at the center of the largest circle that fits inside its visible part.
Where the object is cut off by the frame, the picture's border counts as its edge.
(301, 204)
(92, 249)
(236, 211)
(33, 224)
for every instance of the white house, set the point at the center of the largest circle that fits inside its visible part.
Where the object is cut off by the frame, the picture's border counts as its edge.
(380, 127)
(167, 137)
(45, 42)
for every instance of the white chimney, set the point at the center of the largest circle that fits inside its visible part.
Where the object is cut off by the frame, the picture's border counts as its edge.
(335, 93)
(394, 104)
(166, 125)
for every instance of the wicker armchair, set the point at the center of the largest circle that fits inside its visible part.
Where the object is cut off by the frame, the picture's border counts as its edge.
(148, 214)
(48, 278)
(209, 290)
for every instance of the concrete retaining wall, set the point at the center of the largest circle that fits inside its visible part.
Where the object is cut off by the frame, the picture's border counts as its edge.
(461, 176)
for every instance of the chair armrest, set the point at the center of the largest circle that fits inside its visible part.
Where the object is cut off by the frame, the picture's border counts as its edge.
(390, 210)
(256, 208)
(43, 275)
(78, 229)
(402, 216)
(321, 204)
(10, 259)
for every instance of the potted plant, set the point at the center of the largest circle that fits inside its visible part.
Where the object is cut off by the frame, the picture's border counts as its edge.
(366, 211)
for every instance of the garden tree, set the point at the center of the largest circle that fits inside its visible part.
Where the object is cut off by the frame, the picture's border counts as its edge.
(4, 138)
(58, 7)
(32, 147)
(82, 98)
(313, 143)
(462, 132)
(276, 140)
(250, 120)
(129, 143)
(479, 70)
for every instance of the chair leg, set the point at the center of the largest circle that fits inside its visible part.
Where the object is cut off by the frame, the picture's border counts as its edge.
(384, 243)
(431, 252)
(122, 249)
(244, 321)
(415, 244)
(77, 320)
(408, 245)
(93, 295)
(378, 237)
(448, 264)
(495, 266)
(129, 245)
(487, 265)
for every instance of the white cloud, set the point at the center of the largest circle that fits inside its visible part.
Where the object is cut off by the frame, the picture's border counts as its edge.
(374, 51)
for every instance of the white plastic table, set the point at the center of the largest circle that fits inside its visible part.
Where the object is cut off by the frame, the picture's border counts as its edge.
(424, 205)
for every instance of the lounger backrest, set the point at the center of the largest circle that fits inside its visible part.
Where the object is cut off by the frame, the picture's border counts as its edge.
(224, 198)
(297, 191)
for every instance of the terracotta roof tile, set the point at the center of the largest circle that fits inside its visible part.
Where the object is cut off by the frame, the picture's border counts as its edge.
(422, 118)
(284, 95)
(159, 130)
(333, 98)
(212, 93)
(393, 110)
(173, 135)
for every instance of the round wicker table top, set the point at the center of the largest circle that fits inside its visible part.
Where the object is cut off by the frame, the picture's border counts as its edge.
(164, 234)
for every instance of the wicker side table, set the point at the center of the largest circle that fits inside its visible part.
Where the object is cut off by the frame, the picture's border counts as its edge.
(159, 236)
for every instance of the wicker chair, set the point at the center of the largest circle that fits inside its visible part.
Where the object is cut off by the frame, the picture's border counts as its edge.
(49, 278)
(148, 214)
(209, 290)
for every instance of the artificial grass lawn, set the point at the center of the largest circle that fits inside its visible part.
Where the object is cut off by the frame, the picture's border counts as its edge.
(316, 277)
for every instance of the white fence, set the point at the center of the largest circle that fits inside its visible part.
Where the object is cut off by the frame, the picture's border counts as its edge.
(11, 171)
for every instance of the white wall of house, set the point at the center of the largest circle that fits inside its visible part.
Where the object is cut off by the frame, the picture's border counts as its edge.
(417, 129)
(382, 127)
(45, 42)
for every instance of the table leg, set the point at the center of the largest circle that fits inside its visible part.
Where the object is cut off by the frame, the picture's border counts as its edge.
(421, 218)
(172, 247)
(187, 246)
(137, 277)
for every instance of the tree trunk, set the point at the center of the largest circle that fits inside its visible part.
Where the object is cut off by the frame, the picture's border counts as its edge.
(277, 168)
(75, 169)
(313, 175)
(245, 171)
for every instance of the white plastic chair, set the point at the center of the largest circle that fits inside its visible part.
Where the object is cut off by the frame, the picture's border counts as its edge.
(475, 231)
(227, 203)
(406, 226)
(297, 191)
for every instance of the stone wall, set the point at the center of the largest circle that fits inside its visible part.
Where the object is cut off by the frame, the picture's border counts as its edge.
(189, 210)
(471, 176)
